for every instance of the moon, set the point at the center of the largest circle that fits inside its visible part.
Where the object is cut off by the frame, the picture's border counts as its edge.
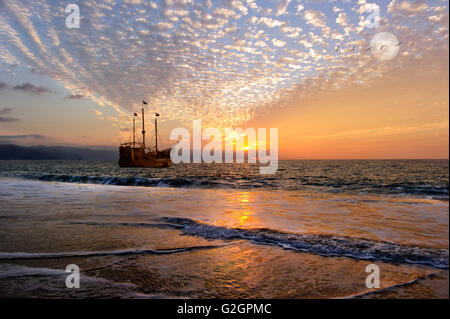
(384, 46)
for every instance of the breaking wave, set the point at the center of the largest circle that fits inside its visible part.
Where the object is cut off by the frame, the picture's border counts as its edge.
(24, 255)
(438, 192)
(323, 245)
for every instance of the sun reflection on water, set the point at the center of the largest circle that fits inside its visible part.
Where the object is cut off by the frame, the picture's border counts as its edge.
(240, 213)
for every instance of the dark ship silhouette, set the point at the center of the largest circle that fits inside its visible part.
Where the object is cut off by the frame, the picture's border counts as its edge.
(135, 154)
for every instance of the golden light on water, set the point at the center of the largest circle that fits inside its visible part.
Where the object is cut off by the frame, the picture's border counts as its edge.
(244, 197)
(240, 214)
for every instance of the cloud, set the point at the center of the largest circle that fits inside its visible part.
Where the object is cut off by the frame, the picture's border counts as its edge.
(271, 23)
(342, 19)
(278, 43)
(292, 32)
(406, 6)
(240, 6)
(22, 136)
(5, 110)
(282, 7)
(31, 88)
(227, 13)
(316, 18)
(4, 119)
(74, 97)
(8, 119)
(367, 7)
(385, 130)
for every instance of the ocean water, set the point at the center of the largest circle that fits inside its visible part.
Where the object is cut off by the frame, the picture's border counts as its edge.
(225, 231)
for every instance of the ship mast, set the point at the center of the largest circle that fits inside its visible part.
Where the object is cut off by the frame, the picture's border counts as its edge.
(143, 130)
(156, 132)
(134, 134)
(134, 138)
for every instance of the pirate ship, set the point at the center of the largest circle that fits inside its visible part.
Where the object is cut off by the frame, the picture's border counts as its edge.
(136, 154)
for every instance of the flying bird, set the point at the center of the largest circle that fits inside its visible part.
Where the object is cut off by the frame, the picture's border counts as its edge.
(381, 48)
(354, 48)
(337, 49)
(398, 44)
(412, 43)
(369, 48)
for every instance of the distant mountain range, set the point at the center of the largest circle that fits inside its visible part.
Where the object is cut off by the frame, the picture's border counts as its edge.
(16, 152)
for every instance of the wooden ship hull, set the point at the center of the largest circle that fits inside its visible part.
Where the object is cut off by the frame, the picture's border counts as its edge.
(159, 163)
(133, 154)
(136, 157)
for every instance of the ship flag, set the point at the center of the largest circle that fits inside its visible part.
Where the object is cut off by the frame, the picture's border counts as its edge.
(157, 114)
(143, 102)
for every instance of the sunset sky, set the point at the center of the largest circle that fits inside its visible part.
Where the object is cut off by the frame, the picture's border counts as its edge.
(307, 67)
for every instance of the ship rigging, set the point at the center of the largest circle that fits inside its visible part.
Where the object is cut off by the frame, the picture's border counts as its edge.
(137, 155)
